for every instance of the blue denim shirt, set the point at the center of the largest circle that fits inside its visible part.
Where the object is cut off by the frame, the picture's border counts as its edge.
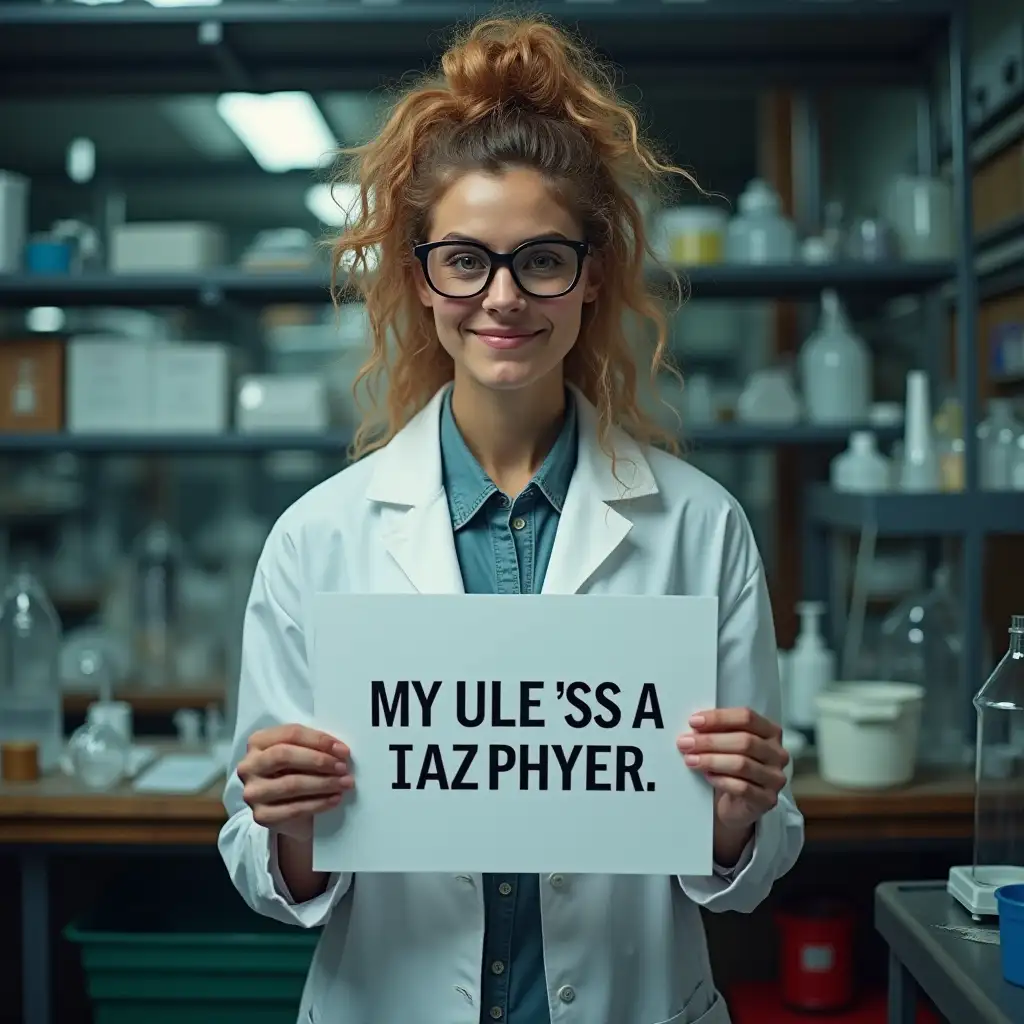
(503, 546)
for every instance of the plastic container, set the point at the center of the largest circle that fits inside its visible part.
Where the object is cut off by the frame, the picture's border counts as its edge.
(1010, 900)
(692, 235)
(812, 666)
(862, 468)
(183, 963)
(760, 233)
(868, 734)
(816, 971)
(835, 368)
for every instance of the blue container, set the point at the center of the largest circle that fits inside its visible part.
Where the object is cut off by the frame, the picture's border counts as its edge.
(1010, 901)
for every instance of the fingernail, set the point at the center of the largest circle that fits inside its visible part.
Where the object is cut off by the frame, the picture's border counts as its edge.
(339, 750)
(692, 760)
(686, 742)
(696, 720)
(341, 768)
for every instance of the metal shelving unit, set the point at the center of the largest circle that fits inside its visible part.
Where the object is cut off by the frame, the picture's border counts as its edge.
(133, 48)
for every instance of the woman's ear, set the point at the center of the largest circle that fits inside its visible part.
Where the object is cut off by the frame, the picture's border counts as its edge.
(593, 276)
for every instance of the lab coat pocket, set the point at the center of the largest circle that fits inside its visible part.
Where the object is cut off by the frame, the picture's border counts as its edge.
(697, 1011)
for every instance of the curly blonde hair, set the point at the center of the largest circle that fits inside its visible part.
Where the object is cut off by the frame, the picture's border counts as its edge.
(510, 92)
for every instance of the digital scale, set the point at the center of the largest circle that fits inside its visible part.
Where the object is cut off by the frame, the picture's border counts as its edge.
(979, 898)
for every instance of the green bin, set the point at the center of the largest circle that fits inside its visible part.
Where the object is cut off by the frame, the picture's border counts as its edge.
(190, 964)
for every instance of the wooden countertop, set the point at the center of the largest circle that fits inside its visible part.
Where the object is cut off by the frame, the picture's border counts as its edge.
(59, 810)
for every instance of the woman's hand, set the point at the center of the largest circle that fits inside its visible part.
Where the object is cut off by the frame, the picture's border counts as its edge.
(741, 754)
(290, 773)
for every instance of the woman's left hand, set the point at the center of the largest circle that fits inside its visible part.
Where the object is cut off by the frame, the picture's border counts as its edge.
(741, 754)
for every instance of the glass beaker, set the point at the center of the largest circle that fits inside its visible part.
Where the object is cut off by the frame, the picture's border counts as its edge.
(999, 769)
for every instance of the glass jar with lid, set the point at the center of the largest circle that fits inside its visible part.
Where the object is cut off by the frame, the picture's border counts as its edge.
(999, 784)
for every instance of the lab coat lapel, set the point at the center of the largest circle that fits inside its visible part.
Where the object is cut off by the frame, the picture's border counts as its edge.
(422, 544)
(591, 528)
(417, 528)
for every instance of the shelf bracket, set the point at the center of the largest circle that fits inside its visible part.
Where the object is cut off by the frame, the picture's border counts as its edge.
(211, 35)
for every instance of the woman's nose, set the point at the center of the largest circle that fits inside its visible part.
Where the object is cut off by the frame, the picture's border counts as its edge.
(503, 292)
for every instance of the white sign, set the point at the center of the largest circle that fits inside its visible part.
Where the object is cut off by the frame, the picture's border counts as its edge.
(525, 733)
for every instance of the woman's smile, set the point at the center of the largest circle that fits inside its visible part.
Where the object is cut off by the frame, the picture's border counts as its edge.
(505, 339)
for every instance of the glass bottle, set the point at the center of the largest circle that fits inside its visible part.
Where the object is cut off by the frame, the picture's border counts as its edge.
(922, 643)
(31, 707)
(997, 437)
(999, 769)
(157, 568)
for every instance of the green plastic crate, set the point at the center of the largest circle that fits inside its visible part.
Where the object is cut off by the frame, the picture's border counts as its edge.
(192, 964)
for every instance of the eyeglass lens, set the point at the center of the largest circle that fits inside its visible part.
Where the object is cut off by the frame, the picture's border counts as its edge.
(542, 268)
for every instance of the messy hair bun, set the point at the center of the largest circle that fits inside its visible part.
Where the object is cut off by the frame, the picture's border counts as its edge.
(509, 92)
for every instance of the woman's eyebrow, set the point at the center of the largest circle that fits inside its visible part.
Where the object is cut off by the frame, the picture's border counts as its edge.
(455, 236)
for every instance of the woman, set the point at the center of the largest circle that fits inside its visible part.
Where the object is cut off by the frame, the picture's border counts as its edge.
(512, 457)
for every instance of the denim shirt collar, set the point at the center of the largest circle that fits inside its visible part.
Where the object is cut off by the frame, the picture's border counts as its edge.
(468, 486)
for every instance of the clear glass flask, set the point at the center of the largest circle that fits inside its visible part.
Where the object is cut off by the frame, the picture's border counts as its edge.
(999, 769)
(922, 643)
(31, 705)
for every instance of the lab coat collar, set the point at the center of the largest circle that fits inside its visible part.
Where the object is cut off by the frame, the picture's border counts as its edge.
(591, 527)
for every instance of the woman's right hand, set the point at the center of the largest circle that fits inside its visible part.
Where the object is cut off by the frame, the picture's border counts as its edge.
(289, 774)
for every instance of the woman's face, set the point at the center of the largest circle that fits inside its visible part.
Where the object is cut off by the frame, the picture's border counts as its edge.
(504, 338)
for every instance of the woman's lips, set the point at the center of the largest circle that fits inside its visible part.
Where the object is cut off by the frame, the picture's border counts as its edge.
(504, 341)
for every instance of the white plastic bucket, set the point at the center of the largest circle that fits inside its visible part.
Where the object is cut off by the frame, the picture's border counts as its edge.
(867, 733)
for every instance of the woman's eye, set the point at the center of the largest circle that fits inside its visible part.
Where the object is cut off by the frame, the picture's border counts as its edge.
(465, 262)
(543, 261)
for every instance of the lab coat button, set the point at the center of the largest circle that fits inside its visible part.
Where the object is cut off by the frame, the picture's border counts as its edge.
(504, 888)
(497, 967)
(496, 1012)
(567, 993)
(556, 880)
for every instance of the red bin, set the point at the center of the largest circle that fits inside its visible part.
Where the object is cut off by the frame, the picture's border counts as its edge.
(816, 970)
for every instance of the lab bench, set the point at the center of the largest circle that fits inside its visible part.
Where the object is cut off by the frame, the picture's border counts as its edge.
(963, 977)
(56, 815)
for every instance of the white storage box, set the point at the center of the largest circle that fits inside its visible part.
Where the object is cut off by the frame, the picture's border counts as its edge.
(190, 388)
(281, 404)
(172, 247)
(124, 386)
(107, 386)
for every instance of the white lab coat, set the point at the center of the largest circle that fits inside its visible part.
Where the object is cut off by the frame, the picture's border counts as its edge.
(398, 949)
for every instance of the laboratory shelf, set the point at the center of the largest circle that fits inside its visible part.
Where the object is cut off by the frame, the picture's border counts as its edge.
(206, 288)
(263, 288)
(917, 515)
(229, 443)
(715, 437)
(755, 435)
(270, 46)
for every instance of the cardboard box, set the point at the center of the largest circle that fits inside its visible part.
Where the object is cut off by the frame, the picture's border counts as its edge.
(31, 386)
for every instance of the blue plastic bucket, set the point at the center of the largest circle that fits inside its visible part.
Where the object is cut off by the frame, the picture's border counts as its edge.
(1010, 901)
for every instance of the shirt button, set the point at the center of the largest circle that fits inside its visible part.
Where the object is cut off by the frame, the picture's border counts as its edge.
(567, 993)
(518, 523)
(504, 888)
(504, 501)
(497, 967)
(496, 1012)
(557, 881)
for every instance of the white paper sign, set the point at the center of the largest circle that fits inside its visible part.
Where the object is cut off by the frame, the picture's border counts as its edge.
(525, 733)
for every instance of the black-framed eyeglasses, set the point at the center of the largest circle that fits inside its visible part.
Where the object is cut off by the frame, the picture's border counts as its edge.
(544, 268)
